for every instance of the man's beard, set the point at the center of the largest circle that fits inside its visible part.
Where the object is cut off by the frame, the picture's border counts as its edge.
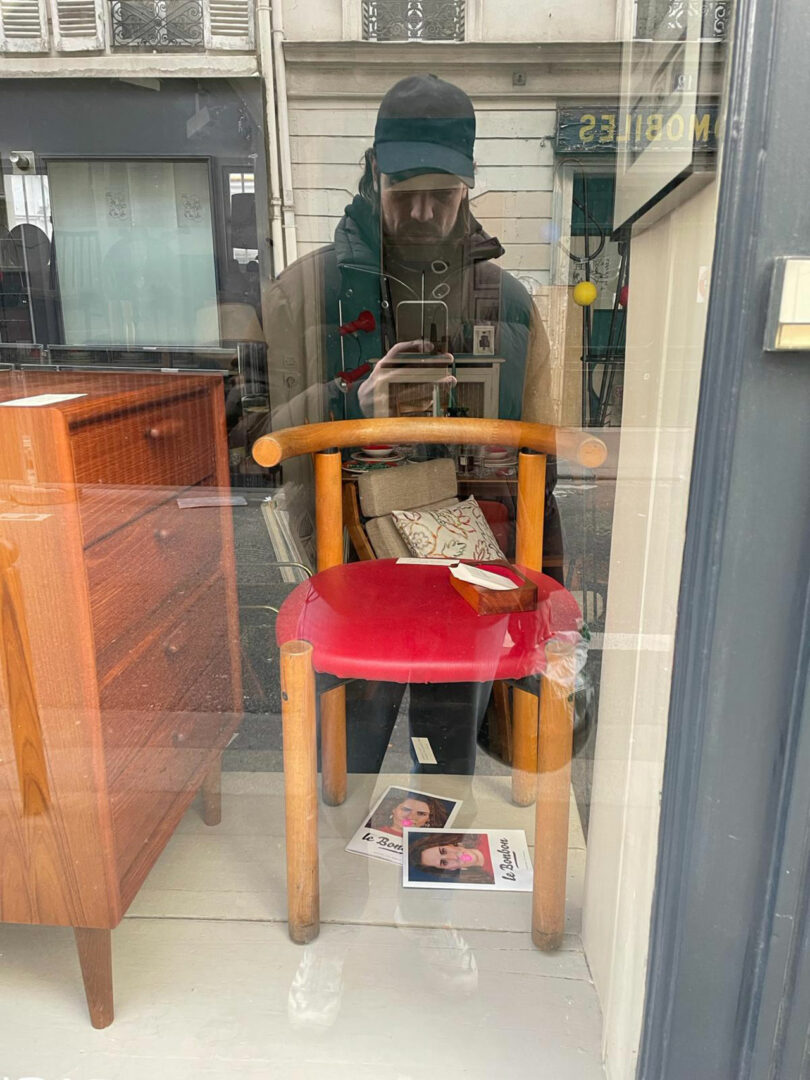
(411, 233)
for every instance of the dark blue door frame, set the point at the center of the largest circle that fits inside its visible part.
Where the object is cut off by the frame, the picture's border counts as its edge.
(728, 993)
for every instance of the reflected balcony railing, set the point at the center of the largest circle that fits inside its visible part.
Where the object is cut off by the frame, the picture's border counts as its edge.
(672, 20)
(157, 24)
(106, 26)
(414, 20)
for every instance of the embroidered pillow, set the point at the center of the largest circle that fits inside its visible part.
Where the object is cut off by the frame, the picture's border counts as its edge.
(453, 532)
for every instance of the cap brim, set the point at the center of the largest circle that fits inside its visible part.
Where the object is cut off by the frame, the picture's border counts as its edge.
(403, 157)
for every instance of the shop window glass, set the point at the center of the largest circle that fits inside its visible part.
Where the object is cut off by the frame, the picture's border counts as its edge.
(191, 290)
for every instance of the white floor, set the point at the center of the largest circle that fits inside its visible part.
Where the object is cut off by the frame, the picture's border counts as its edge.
(400, 985)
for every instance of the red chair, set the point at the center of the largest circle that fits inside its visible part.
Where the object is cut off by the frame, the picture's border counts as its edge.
(381, 621)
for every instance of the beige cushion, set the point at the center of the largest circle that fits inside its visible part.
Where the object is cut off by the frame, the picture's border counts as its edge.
(406, 487)
(384, 536)
(459, 532)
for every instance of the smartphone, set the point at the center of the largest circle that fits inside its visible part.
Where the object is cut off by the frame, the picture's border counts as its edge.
(425, 319)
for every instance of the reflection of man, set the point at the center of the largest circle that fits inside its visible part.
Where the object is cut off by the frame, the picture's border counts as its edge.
(409, 251)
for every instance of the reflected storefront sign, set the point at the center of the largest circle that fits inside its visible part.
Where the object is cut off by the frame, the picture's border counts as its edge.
(603, 129)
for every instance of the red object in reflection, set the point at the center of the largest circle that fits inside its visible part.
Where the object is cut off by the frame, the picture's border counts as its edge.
(406, 623)
(623, 294)
(346, 378)
(364, 322)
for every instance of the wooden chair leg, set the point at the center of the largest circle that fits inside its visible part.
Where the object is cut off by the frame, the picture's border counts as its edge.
(524, 747)
(212, 794)
(553, 799)
(333, 745)
(301, 789)
(529, 553)
(95, 957)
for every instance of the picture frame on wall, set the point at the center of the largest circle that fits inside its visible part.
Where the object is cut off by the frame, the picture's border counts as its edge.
(668, 122)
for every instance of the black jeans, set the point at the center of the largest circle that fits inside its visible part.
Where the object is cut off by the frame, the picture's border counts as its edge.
(448, 715)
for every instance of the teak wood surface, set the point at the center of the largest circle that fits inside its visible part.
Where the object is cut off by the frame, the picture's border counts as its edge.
(120, 677)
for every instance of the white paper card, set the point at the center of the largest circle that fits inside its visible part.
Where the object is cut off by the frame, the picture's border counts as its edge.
(380, 835)
(494, 860)
(189, 502)
(483, 578)
(423, 750)
(426, 562)
(42, 399)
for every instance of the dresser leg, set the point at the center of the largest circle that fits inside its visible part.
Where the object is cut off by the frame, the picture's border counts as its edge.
(95, 958)
(212, 793)
(553, 800)
(333, 745)
(524, 747)
(300, 789)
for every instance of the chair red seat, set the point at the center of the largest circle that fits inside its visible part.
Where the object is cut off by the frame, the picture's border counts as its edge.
(384, 621)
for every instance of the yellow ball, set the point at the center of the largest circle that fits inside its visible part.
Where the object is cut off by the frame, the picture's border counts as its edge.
(584, 293)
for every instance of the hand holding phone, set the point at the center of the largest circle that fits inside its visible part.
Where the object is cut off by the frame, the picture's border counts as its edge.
(384, 370)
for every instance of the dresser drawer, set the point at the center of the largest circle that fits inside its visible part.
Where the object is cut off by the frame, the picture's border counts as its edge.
(164, 719)
(183, 665)
(163, 445)
(157, 559)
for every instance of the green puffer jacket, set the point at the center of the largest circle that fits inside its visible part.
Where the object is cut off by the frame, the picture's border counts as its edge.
(303, 316)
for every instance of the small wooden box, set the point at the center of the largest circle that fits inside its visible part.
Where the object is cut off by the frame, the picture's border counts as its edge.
(497, 601)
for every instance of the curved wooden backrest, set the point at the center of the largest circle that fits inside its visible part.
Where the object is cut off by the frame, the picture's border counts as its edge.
(534, 441)
(567, 443)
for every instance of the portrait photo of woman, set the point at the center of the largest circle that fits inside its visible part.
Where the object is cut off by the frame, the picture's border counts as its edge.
(402, 809)
(454, 859)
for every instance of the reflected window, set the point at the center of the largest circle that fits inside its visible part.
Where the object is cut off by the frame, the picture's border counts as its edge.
(135, 252)
(242, 217)
(413, 20)
(157, 24)
(669, 20)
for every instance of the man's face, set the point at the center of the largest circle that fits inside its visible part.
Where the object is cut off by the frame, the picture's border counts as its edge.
(423, 209)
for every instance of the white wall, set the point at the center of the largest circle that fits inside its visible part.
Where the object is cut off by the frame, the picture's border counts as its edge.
(666, 325)
(313, 20)
(512, 196)
(548, 20)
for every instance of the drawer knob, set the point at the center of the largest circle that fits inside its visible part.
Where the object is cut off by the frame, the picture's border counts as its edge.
(172, 648)
(163, 535)
(165, 429)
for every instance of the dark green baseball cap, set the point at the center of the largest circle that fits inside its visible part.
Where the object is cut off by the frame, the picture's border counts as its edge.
(425, 124)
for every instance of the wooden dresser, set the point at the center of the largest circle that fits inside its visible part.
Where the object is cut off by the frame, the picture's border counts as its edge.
(119, 657)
